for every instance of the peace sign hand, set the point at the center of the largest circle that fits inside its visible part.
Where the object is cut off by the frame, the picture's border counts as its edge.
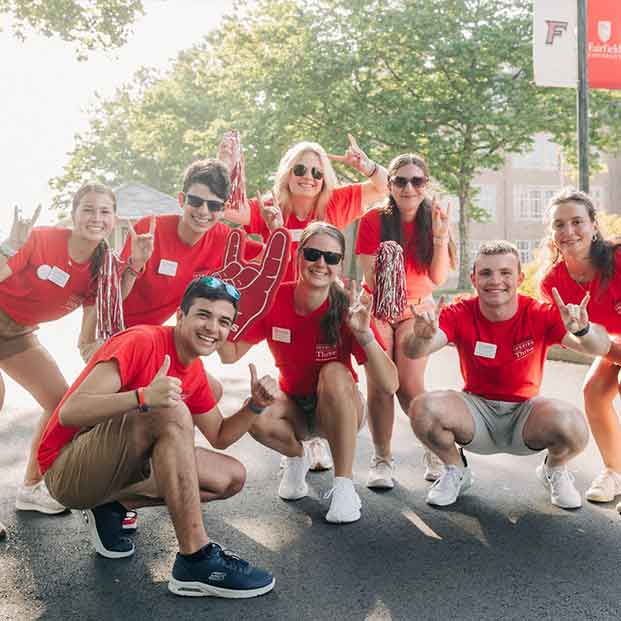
(21, 227)
(574, 316)
(142, 245)
(426, 322)
(359, 311)
(440, 219)
(356, 158)
(271, 214)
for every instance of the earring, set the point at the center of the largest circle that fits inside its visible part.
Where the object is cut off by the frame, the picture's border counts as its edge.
(595, 236)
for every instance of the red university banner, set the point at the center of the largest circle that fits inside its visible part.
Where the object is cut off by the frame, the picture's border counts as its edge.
(604, 43)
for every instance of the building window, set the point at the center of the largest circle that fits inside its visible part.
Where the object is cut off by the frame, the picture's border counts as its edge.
(526, 248)
(530, 201)
(597, 194)
(544, 154)
(485, 199)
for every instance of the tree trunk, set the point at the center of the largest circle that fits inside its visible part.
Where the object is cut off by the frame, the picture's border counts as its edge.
(464, 242)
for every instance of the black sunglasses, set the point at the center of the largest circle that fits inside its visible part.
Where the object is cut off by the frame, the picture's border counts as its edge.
(212, 282)
(299, 170)
(197, 201)
(331, 258)
(417, 182)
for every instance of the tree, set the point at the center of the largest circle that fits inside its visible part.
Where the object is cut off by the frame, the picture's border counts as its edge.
(90, 24)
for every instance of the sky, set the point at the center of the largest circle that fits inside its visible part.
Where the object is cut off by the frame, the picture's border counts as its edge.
(45, 94)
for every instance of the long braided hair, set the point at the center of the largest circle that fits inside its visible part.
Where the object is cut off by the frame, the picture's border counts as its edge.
(338, 300)
(419, 249)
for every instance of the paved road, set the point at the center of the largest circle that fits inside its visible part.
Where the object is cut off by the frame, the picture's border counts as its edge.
(502, 552)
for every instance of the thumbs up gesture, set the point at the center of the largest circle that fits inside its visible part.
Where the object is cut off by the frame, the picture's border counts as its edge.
(164, 391)
(263, 391)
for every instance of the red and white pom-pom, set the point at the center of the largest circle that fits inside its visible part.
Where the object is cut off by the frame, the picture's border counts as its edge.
(390, 295)
(231, 143)
(109, 302)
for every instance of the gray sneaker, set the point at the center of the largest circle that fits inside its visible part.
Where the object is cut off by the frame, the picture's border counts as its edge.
(449, 486)
(37, 498)
(560, 482)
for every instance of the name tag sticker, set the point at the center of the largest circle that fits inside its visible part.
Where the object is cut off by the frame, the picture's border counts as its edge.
(282, 335)
(485, 350)
(296, 234)
(58, 276)
(167, 268)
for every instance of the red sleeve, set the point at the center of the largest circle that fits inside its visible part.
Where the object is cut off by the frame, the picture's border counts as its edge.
(19, 260)
(545, 287)
(256, 333)
(345, 205)
(257, 225)
(359, 354)
(368, 239)
(131, 354)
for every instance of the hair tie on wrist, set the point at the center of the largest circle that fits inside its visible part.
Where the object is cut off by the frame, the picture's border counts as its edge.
(584, 330)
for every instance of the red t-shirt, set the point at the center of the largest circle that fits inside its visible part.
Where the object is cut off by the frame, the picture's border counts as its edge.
(139, 353)
(344, 206)
(46, 283)
(156, 294)
(604, 304)
(296, 343)
(503, 360)
(418, 283)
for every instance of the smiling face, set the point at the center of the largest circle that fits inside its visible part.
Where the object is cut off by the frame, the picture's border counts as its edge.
(496, 278)
(318, 273)
(572, 229)
(94, 216)
(199, 220)
(204, 328)
(306, 185)
(409, 197)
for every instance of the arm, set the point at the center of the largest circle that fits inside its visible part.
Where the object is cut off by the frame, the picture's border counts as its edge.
(87, 344)
(20, 231)
(98, 398)
(141, 249)
(441, 260)
(231, 351)
(222, 432)
(426, 337)
(5, 270)
(367, 263)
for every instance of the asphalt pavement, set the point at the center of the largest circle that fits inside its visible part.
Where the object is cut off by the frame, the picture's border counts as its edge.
(501, 552)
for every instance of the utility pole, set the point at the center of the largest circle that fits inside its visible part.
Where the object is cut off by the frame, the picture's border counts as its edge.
(583, 98)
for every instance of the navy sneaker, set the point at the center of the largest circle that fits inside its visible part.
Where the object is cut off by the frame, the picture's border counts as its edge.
(218, 574)
(105, 525)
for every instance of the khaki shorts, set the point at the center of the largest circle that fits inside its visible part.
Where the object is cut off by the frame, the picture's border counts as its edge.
(15, 338)
(498, 425)
(97, 465)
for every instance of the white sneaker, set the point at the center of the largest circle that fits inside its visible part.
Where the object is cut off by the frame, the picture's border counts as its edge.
(381, 473)
(37, 498)
(560, 482)
(434, 466)
(449, 486)
(605, 486)
(293, 483)
(345, 505)
(319, 454)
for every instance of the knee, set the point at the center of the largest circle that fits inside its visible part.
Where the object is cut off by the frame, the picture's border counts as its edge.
(570, 428)
(426, 412)
(237, 479)
(170, 421)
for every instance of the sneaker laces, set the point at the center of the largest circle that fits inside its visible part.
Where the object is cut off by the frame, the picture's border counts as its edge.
(376, 460)
(452, 474)
(231, 560)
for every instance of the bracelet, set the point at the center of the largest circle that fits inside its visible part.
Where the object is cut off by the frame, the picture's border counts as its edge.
(584, 331)
(366, 339)
(373, 171)
(142, 406)
(253, 407)
(7, 250)
(437, 241)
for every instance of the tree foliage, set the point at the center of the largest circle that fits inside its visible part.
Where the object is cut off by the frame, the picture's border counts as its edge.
(90, 24)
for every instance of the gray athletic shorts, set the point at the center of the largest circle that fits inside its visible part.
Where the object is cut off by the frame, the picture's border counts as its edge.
(498, 425)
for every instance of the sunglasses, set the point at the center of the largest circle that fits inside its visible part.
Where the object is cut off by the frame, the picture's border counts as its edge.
(417, 182)
(331, 258)
(212, 282)
(299, 170)
(197, 201)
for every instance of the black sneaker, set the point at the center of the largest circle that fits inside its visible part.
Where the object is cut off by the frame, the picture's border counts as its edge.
(105, 525)
(219, 574)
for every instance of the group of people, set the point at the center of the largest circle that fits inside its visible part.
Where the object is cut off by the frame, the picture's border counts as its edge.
(122, 436)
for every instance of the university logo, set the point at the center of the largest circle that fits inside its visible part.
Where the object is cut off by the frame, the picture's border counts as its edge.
(604, 31)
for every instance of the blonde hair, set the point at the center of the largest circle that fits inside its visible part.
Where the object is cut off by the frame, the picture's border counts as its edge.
(281, 182)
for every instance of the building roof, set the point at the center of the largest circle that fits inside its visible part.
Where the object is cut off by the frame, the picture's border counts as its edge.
(135, 200)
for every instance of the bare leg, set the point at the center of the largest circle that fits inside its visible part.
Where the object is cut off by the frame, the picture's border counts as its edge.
(27, 369)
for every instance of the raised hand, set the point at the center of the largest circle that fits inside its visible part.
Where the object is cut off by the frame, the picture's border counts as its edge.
(163, 391)
(359, 311)
(264, 390)
(271, 214)
(142, 245)
(440, 219)
(21, 227)
(256, 283)
(574, 316)
(355, 157)
(426, 322)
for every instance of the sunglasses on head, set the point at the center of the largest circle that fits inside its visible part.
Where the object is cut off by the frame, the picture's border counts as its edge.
(331, 258)
(299, 170)
(197, 201)
(417, 182)
(212, 282)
